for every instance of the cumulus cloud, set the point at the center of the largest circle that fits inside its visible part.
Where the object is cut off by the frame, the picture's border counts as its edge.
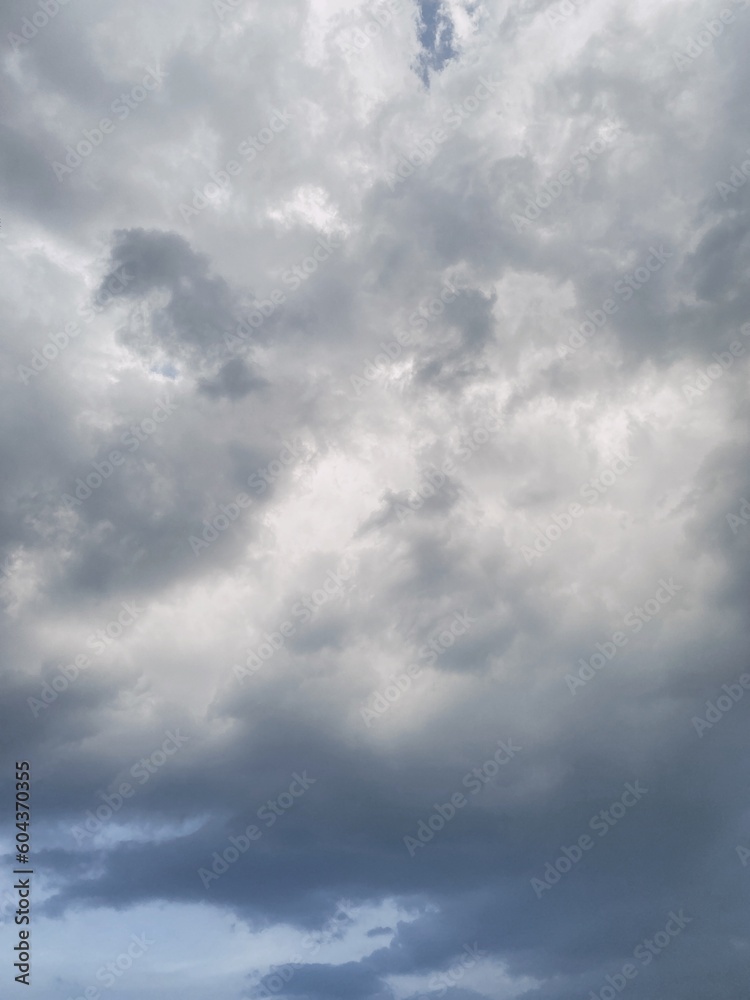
(421, 336)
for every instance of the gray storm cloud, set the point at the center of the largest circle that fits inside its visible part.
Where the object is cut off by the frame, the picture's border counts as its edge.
(430, 416)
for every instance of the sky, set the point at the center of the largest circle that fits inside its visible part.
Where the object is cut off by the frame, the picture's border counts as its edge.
(376, 499)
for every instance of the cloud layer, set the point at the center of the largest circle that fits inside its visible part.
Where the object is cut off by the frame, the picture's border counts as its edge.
(412, 610)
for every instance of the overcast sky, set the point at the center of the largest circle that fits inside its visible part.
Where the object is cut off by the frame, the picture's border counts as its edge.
(376, 498)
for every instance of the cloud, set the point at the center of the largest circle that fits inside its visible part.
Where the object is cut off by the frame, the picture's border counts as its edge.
(418, 476)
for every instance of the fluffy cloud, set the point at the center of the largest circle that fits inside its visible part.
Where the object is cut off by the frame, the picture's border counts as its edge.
(454, 329)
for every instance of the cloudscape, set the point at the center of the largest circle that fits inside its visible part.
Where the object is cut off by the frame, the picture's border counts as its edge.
(376, 501)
